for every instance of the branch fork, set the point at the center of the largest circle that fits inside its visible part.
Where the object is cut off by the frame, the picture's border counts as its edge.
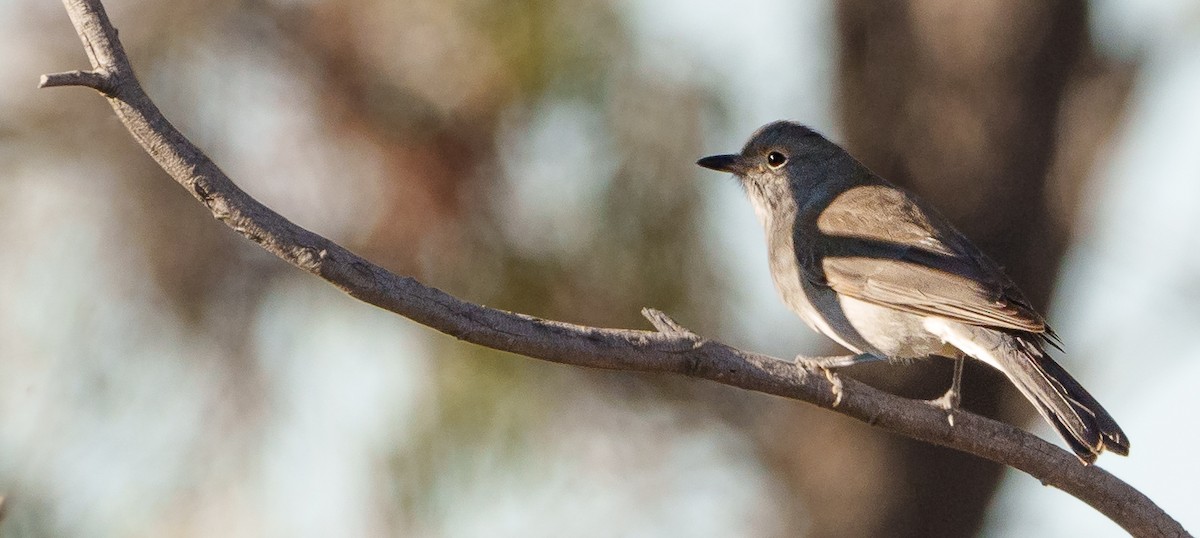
(96, 80)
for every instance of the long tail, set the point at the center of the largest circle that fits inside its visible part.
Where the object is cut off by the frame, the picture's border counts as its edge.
(1087, 428)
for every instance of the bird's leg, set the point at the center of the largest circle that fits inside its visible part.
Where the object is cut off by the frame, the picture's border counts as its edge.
(826, 364)
(953, 396)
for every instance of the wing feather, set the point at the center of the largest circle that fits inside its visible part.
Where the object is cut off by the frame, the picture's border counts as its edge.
(879, 245)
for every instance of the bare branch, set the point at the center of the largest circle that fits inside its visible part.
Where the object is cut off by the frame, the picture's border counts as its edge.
(91, 79)
(672, 349)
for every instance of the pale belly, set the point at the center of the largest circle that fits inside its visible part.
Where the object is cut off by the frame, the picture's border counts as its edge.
(892, 333)
(863, 327)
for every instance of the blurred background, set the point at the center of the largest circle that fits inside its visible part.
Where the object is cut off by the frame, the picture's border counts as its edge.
(162, 376)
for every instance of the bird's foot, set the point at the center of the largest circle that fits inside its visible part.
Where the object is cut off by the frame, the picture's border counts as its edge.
(948, 402)
(827, 364)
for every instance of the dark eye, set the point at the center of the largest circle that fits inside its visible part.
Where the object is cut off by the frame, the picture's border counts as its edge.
(776, 159)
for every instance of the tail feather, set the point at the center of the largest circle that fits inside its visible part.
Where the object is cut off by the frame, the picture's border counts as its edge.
(1082, 422)
(1081, 403)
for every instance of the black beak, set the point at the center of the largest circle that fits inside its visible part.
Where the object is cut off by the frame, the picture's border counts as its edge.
(733, 164)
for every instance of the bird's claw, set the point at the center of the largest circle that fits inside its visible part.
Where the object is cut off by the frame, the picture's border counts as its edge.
(836, 384)
(948, 402)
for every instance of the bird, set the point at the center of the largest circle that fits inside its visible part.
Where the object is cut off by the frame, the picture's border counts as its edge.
(883, 274)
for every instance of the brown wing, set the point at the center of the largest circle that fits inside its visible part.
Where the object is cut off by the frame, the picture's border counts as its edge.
(878, 244)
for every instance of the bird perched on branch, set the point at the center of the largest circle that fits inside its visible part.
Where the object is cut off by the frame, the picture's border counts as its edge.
(883, 274)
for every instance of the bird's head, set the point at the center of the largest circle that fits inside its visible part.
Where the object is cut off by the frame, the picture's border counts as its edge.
(778, 154)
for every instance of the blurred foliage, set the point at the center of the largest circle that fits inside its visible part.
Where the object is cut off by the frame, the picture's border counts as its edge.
(419, 133)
